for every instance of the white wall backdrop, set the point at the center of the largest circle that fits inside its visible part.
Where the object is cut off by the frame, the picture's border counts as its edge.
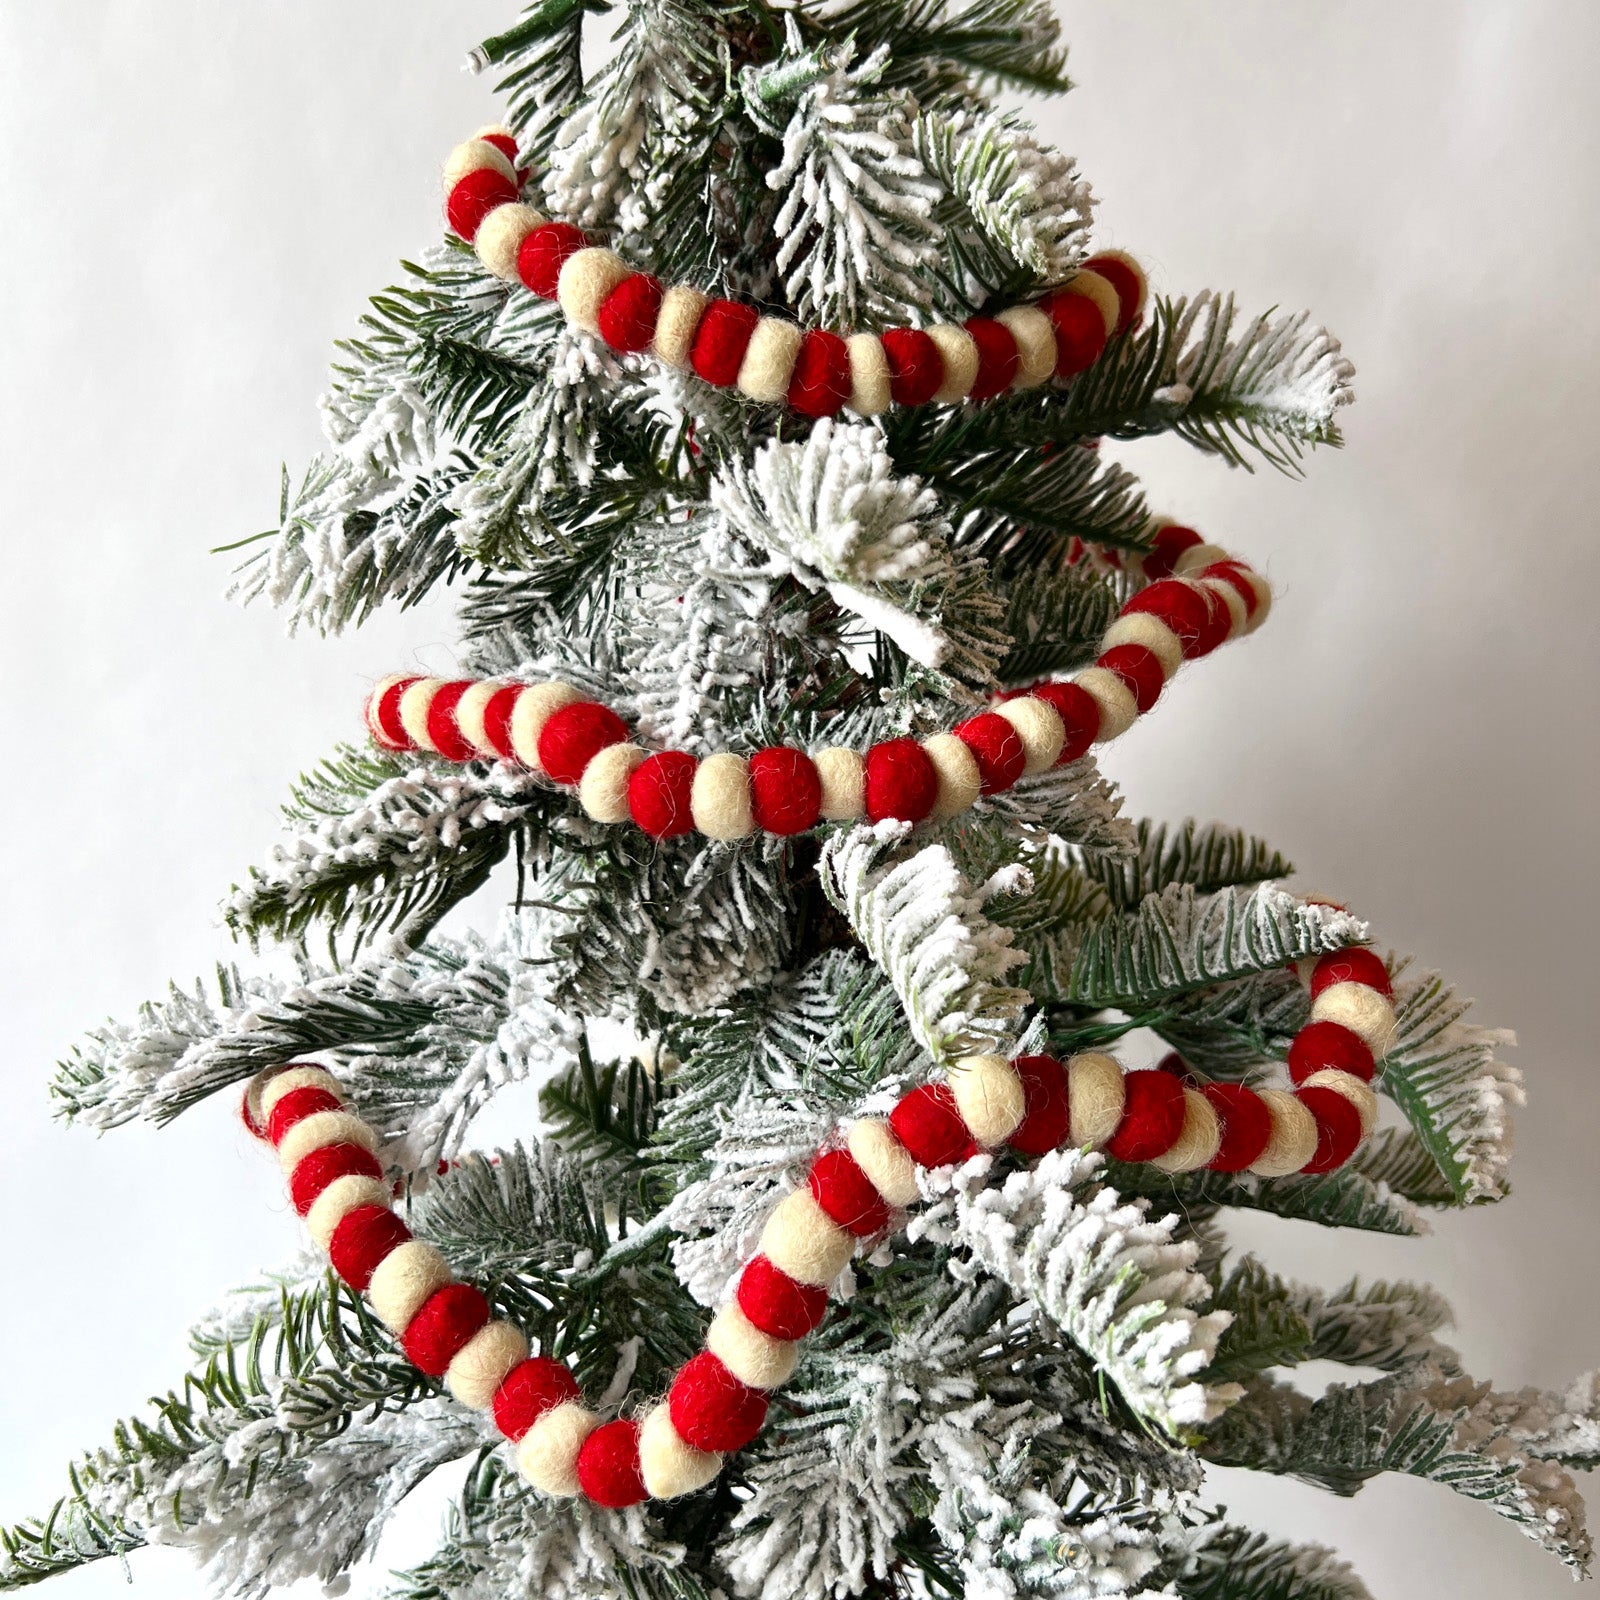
(196, 199)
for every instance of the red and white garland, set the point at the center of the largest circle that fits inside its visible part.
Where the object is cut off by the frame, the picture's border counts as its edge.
(855, 1190)
(1200, 597)
(772, 359)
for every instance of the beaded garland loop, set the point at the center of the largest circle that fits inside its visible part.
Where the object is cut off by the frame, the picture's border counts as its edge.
(1198, 598)
(770, 359)
(854, 1191)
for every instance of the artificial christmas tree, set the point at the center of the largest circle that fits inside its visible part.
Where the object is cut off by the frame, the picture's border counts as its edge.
(755, 423)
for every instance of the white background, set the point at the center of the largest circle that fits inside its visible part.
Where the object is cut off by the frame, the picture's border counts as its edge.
(196, 199)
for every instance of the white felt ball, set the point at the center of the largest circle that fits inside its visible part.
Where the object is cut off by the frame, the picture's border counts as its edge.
(1139, 627)
(532, 709)
(472, 156)
(800, 1238)
(843, 775)
(886, 1162)
(990, 1098)
(1199, 1140)
(495, 130)
(1093, 287)
(319, 1129)
(1293, 1141)
(1197, 557)
(548, 1454)
(1118, 709)
(1036, 344)
(1038, 727)
(1095, 1098)
(1358, 1093)
(719, 797)
(403, 1280)
(275, 1087)
(1263, 594)
(1362, 1010)
(415, 702)
(339, 1199)
(499, 238)
(479, 1367)
(469, 715)
(587, 277)
(957, 771)
(869, 375)
(958, 350)
(667, 1464)
(680, 314)
(603, 788)
(769, 359)
(752, 1356)
(1238, 611)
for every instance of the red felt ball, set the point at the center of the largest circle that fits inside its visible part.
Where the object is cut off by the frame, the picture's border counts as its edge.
(916, 369)
(928, 1124)
(1246, 1125)
(1330, 1047)
(627, 315)
(474, 196)
(1233, 574)
(1180, 1069)
(720, 340)
(543, 253)
(575, 735)
(1140, 668)
(820, 385)
(315, 1171)
(297, 1105)
(1046, 1114)
(1152, 1116)
(608, 1465)
(1125, 281)
(1080, 332)
(1354, 965)
(711, 1409)
(1079, 712)
(1219, 624)
(443, 729)
(997, 358)
(659, 791)
(776, 1304)
(996, 748)
(1179, 605)
(504, 143)
(846, 1193)
(384, 717)
(1338, 1128)
(362, 1239)
(443, 1324)
(497, 720)
(900, 781)
(528, 1390)
(1170, 543)
(785, 790)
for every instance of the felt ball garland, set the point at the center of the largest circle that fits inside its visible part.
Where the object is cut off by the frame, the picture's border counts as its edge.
(853, 1191)
(1198, 598)
(814, 371)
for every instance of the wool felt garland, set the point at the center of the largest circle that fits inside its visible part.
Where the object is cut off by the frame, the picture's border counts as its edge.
(1199, 598)
(771, 360)
(854, 1191)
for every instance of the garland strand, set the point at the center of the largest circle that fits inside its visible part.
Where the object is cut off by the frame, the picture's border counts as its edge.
(854, 1191)
(1200, 598)
(771, 359)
